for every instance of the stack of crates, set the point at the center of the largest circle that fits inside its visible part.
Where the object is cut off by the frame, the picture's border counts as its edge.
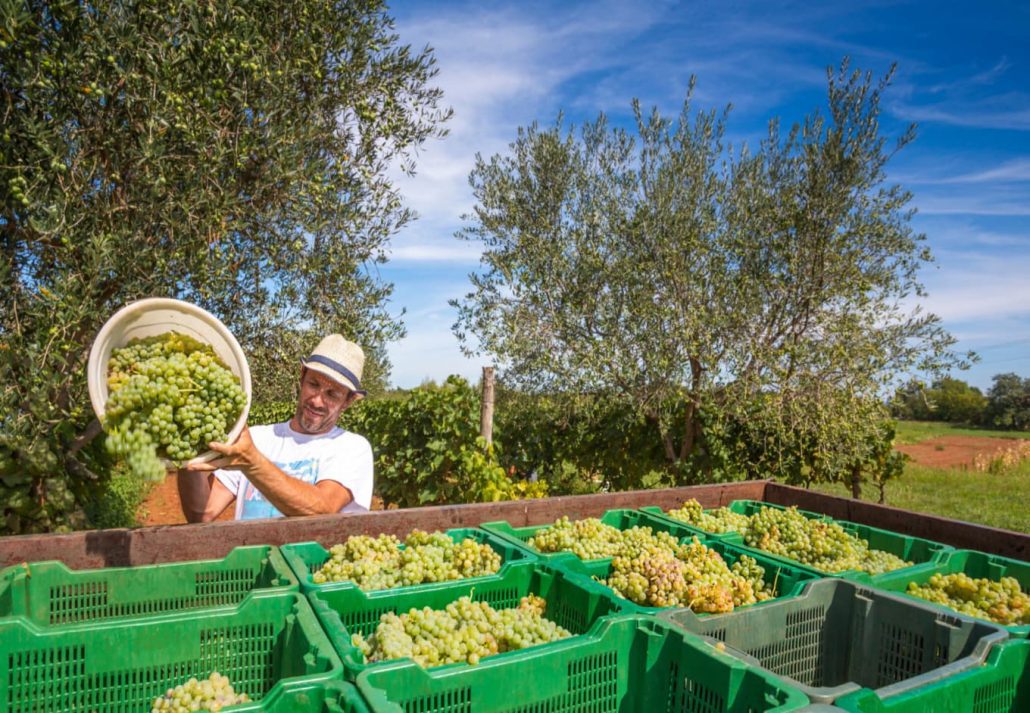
(112, 640)
(116, 639)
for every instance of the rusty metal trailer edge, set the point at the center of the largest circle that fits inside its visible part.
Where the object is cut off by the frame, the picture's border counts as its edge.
(172, 543)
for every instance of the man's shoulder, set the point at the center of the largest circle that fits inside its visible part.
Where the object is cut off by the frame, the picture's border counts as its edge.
(269, 430)
(351, 440)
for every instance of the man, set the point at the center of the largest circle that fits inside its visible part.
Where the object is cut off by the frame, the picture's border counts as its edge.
(306, 466)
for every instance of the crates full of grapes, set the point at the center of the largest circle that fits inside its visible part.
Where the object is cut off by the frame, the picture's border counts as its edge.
(590, 538)
(627, 664)
(729, 521)
(242, 654)
(166, 378)
(462, 621)
(828, 546)
(709, 576)
(838, 637)
(973, 583)
(51, 594)
(386, 562)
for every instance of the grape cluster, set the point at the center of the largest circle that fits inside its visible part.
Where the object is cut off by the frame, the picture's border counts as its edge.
(169, 396)
(588, 538)
(717, 520)
(689, 575)
(382, 563)
(464, 631)
(654, 569)
(210, 694)
(1002, 601)
(825, 546)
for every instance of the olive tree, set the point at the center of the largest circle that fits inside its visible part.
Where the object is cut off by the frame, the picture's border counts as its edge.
(234, 154)
(761, 285)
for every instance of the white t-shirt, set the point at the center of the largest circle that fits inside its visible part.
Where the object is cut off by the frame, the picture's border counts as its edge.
(335, 455)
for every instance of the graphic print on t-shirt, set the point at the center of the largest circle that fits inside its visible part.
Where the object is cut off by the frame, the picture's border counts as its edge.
(254, 504)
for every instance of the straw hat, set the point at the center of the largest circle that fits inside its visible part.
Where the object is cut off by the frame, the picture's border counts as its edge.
(340, 360)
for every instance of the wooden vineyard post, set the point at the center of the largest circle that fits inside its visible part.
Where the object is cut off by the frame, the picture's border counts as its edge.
(486, 408)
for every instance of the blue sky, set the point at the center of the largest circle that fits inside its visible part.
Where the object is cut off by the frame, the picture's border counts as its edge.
(963, 78)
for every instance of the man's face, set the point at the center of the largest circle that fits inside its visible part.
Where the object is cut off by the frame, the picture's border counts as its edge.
(321, 402)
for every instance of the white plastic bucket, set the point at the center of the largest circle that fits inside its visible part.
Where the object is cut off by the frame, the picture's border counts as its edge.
(157, 315)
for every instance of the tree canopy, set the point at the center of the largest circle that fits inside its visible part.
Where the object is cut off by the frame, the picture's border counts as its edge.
(233, 154)
(762, 284)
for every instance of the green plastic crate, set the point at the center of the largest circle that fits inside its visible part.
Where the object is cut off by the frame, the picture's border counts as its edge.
(741, 507)
(621, 519)
(306, 558)
(49, 593)
(838, 637)
(924, 554)
(631, 664)
(573, 604)
(114, 667)
(975, 564)
(1001, 685)
(789, 580)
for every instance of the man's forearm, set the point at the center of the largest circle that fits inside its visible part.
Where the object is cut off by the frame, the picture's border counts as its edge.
(291, 496)
(194, 490)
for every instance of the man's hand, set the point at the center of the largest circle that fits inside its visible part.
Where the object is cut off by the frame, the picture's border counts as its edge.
(241, 455)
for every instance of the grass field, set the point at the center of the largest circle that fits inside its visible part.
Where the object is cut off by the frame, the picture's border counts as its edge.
(916, 431)
(995, 500)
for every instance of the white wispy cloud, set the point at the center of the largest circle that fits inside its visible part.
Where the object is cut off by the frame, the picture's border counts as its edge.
(969, 286)
(1011, 111)
(460, 253)
(976, 80)
(1014, 170)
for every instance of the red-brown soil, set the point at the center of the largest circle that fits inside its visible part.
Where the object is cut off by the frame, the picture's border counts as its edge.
(954, 451)
(162, 506)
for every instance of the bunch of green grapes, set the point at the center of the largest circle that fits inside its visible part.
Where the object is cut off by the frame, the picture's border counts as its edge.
(464, 631)
(825, 546)
(688, 575)
(169, 396)
(211, 694)
(1002, 601)
(588, 538)
(382, 563)
(717, 520)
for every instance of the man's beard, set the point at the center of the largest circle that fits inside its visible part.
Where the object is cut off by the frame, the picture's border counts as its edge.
(311, 423)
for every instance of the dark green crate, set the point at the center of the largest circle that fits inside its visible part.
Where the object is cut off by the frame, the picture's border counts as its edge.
(573, 604)
(306, 558)
(789, 579)
(924, 554)
(1001, 685)
(621, 519)
(49, 593)
(975, 564)
(837, 637)
(629, 664)
(266, 642)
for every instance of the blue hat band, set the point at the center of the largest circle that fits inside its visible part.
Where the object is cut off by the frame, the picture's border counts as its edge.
(339, 368)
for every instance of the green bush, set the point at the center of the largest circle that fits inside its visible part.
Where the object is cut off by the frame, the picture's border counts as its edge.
(118, 500)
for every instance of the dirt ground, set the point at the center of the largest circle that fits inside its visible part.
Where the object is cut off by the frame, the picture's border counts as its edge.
(954, 451)
(162, 506)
